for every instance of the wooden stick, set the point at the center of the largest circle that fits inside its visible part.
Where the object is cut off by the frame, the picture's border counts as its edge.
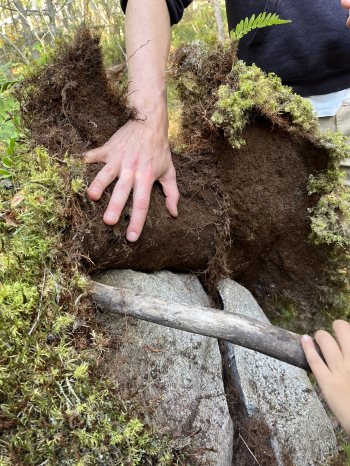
(234, 328)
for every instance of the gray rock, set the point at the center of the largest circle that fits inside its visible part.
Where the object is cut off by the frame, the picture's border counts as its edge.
(179, 372)
(279, 393)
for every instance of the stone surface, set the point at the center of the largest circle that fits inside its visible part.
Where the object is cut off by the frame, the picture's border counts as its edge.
(180, 372)
(277, 392)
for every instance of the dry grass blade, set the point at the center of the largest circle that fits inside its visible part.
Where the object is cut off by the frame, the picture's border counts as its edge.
(250, 451)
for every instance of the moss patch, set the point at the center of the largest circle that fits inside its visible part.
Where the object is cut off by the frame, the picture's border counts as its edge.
(53, 407)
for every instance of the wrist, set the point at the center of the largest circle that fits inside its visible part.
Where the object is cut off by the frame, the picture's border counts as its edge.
(152, 111)
(150, 103)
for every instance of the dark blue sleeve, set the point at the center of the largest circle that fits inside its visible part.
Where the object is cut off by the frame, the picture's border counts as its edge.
(176, 8)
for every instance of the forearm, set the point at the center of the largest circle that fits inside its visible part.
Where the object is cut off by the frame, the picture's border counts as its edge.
(147, 34)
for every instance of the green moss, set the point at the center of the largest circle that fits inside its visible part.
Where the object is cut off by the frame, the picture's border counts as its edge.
(36, 66)
(54, 409)
(330, 219)
(254, 92)
(78, 185)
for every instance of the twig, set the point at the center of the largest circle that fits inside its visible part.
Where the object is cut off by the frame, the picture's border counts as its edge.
(109, 27)
(68, 2)
(151, 349)
(53, 278)
(46, 269)
(4, 36)
(250, 451)
(143, 45)
(314, 459)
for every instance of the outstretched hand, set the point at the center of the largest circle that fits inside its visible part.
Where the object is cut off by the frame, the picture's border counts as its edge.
(333, 380)
(346, 4)
(138, 154)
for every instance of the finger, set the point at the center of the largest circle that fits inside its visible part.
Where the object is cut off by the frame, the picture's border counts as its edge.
(171, 191)
(318, 367)
(342, 331)
(345, 4)
(142, 194)
(329, 348)
(119, 197)
(348, 21)
(104, 177)
(96, 155)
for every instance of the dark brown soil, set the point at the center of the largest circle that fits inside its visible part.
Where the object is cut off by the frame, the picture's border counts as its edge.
(242, 213)
(73, 106)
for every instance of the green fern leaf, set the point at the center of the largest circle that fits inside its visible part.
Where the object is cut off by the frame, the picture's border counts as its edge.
(251, 22)
(246, 23)
(261, 21)
(256, 22)
(265, 22)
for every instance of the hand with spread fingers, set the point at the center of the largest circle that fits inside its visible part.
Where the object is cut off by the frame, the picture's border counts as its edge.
(138, 154)
(346, 4)
(333, 380)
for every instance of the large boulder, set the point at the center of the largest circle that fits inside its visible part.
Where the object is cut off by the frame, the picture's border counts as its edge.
(179, 372)
(276, 392)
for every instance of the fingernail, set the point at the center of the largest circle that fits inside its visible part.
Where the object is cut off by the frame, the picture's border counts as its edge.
(94, 192)
(305, 338)
(132, 236)
(110, 217)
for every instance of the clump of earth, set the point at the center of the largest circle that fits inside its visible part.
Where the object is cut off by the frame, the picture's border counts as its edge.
(243, 213)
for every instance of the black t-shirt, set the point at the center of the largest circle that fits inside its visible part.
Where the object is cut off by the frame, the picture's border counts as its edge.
(311, 54)
(176, 8)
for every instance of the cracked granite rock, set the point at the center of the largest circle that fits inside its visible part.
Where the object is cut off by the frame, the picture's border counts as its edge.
(179, 371)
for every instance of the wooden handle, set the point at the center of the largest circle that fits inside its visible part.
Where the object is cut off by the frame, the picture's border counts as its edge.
(234, 328)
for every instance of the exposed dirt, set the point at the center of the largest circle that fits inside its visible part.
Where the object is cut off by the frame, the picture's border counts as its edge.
(73, 106)
(242, 213)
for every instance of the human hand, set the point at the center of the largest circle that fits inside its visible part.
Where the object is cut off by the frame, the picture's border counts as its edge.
(346, 4)
(138, 154)
(333, 380)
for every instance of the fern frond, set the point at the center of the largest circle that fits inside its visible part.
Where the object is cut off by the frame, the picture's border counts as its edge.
(261, 21)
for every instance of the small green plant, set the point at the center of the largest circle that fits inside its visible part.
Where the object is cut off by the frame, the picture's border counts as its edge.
(346, 449)
(261, 21)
